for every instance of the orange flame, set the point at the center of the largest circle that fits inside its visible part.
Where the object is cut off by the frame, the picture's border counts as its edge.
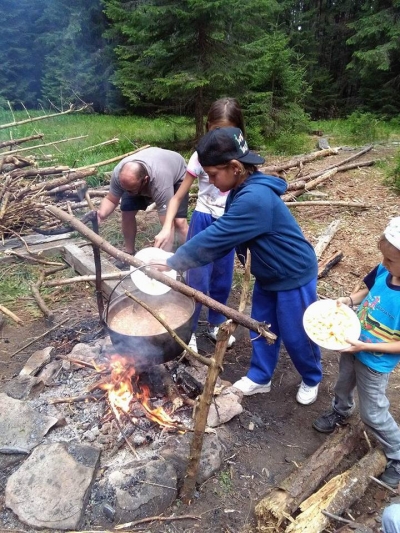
(121, 393)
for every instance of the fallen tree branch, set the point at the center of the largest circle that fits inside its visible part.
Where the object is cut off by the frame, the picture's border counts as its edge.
(299, 161)
(42, 117)
(337, 203)
(326, 238)
(325, 266)
(19, 150)
(90, 277)
(114, 159)
(39, 337)
(14, 142)
(10, 314)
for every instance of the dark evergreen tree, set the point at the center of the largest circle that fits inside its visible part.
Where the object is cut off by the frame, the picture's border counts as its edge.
(20, 57)
(179, 56)
(78, 61)
(376, 57)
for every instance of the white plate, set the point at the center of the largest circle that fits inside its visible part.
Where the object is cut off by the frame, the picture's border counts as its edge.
(142, 281)
(329, 325)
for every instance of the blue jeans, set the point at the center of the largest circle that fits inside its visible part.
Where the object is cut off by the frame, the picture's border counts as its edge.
(214, 279)
(391, 519)
(373, 403)
(284, 310)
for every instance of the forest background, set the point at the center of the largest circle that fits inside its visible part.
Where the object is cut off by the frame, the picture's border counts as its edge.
(286, 61)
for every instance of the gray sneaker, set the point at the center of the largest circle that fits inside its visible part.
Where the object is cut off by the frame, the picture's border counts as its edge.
(391, 475)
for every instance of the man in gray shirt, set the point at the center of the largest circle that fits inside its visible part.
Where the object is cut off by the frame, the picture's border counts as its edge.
(151, 175)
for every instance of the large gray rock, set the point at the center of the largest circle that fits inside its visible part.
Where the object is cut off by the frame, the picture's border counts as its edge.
(141, 489)
(21, 427)
(177, 451)
(50, 489)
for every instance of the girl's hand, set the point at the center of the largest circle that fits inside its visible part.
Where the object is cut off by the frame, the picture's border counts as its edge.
(163, 238)
(342, 300)
(159, 264)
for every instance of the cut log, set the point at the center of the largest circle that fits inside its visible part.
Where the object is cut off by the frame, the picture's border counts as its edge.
(282, 501)
(338, 494)
(326, 238)
(14, 142)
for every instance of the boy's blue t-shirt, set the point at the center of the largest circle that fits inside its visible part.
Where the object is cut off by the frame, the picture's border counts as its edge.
(379, 314)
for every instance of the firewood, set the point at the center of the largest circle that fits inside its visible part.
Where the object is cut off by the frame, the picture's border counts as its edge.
(33, 172)
(326, 238)
(325, 266)
(311, 184)
(299, 161)
(338, 494)
(282, 501)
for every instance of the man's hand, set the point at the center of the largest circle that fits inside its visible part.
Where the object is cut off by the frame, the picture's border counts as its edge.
(163, 238)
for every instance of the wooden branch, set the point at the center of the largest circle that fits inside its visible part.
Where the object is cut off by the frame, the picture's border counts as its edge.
(39, 337)
(90, 277)
(38, 298)
(70, 176)
(338, 494)
(310, 185)
(283, 500)
(105, 143)
(19, 150)
(337, 203)
(33, 172)
(240, 318)
(200, 421)
(28, 120)
(10, 314)
(14, 142)
(299, 161)
(114, 159)
(296, 184)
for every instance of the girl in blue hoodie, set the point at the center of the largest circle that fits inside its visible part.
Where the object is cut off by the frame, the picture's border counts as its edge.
(283, 262)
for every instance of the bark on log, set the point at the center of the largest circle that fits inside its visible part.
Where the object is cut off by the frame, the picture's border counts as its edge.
(338, 494)
(70, 176)
(240, 318)
(282, 501)
(310, 185)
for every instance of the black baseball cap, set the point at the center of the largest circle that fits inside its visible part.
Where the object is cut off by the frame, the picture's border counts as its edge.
(221, 145)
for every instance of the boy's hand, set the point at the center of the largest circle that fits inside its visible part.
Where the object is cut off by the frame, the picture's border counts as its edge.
(160, 264)
(356, 346)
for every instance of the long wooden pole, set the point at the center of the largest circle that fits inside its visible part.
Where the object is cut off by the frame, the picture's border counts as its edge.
(242, 319)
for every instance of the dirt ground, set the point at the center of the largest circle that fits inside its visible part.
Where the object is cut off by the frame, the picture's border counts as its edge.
(274, 434)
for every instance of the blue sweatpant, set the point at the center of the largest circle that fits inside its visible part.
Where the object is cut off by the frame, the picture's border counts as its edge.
(284, 311)
(214, 279)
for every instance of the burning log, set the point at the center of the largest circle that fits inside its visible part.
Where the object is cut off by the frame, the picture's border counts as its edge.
(282, 501)
(338, 494)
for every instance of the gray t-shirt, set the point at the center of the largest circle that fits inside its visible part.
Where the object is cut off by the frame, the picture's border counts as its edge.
(164, 168)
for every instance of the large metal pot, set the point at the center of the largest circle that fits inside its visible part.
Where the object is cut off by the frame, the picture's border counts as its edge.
(145, 351)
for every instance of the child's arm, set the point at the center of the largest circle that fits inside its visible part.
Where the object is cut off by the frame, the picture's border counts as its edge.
(382, 347)
(354, 298)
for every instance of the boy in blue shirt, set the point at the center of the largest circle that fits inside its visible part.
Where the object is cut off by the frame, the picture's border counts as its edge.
(367, 363)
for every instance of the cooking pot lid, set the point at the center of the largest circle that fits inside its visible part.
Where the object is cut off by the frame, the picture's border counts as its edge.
(140, 278)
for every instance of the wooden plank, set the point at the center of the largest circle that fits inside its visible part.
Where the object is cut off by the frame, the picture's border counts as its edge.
(33, 240)
(46, 251)
(81, 260)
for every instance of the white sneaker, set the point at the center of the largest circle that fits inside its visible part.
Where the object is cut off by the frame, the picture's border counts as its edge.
(193, 343)
(212, 332)
(307, 395)
(249, 387)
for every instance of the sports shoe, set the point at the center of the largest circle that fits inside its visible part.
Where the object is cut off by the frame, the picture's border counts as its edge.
(307, 395)
(212, 332)
(249, 387)
(193, 343)
(329, 421)
(391, 475)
